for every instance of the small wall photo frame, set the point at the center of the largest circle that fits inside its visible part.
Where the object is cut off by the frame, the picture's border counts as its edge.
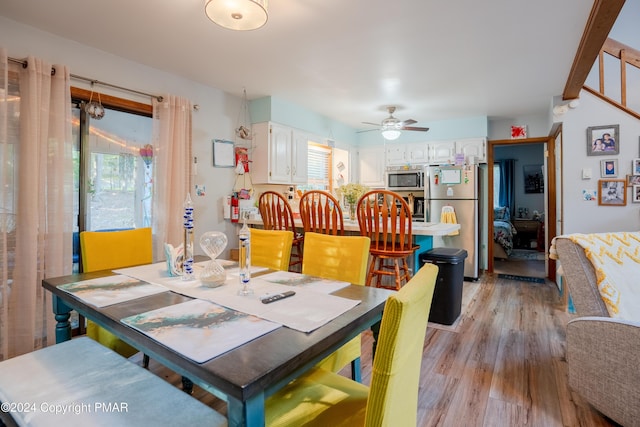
(223, 155)
(635, 193)
(533, 179)
(635, 167)
(611, 192)
(633, 180)
(609, 168)
(603, 140)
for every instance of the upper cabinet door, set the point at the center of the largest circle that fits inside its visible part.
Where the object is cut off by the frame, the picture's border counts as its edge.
(280, 152)
(473, 147)
(417, 153)
(441, 153)
(371, 166)
(395, 154)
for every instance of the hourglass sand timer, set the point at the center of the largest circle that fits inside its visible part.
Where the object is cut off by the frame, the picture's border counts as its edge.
(213, 243)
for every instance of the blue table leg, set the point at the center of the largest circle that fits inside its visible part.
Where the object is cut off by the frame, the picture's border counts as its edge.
(251, 413)
(426, 243)
(63, 326)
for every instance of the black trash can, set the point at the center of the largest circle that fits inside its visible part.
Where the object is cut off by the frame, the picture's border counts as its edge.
(447, 297)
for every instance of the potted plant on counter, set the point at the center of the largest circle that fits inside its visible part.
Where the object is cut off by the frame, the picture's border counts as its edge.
(350, 193)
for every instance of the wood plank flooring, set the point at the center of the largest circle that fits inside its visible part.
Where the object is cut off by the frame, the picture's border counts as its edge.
(501, 364)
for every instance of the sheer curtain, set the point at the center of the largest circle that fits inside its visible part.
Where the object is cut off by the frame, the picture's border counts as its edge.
(507, 184)
(172, 181)
(36, 192)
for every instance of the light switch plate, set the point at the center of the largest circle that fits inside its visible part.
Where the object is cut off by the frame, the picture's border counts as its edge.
(586, 173)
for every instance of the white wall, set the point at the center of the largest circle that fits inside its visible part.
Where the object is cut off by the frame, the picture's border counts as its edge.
(587, 217)
(216, 117)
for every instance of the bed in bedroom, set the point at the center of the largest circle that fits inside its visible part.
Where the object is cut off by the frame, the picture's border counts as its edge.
(503, 232)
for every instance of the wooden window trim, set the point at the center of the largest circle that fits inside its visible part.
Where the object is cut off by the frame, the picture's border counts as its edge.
(113, 102)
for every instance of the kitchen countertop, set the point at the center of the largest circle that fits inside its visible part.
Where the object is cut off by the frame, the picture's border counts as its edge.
(418, 229)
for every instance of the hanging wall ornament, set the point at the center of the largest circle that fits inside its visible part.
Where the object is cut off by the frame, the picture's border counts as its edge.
(146, 153)
(243, 131)
(95, 110)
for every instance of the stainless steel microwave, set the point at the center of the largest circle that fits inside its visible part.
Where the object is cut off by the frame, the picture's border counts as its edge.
(405, 180)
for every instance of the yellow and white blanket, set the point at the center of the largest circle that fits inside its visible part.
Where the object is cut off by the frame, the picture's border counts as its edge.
(616, 260)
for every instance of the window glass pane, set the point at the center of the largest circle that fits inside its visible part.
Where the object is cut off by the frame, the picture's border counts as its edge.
(318, 165)
(118, 181)
(496, 185)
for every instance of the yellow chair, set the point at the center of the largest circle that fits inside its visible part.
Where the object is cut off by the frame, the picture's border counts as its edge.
(271, 248)
(338, 258)
(107, 250)
(324, 398)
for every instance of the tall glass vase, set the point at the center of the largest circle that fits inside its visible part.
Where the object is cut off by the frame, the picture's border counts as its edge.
(352, 211)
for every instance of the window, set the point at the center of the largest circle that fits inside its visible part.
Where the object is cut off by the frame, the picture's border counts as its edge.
(318, 168)
(496, 185)
(113, 169)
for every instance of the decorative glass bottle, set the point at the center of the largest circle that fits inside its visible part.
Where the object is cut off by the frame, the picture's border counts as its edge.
(187, 259)
(245, 258)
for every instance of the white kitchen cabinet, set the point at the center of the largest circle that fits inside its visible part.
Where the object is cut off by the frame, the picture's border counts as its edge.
(371, 165)
(405, 154)
(472, 147)
(279, 154)
(417, 153)
(441, 152)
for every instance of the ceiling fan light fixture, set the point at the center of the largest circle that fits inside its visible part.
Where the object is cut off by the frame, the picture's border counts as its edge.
(239, 15)
(391, 134)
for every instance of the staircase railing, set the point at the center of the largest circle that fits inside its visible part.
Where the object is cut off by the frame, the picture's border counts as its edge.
(626, 55)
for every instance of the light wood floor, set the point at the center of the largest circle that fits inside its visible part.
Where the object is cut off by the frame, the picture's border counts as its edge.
(501, 364)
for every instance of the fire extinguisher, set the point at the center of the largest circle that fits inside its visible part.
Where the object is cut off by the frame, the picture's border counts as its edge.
(235, 209)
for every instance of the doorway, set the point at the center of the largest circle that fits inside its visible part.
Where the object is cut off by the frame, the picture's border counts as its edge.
(532, 207)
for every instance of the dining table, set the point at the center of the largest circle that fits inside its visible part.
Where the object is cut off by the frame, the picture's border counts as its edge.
(244, 376)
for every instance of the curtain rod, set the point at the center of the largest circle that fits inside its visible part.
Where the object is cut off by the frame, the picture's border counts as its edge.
(93, 81)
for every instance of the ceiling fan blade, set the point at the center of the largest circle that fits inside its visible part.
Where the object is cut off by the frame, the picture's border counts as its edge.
(369, 123)
(366, 130)
(409, 122)
(414, 128)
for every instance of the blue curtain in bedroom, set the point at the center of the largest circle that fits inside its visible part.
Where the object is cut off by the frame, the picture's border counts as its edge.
(507, 185)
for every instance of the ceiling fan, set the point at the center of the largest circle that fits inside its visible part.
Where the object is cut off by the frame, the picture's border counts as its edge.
(392, 127)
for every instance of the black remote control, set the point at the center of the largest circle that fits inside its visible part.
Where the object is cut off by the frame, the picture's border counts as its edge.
(276, 297)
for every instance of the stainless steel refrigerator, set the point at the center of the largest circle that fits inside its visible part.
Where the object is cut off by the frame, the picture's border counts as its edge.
(457, 187)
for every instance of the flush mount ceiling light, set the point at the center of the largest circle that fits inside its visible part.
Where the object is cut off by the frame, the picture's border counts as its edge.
(241, 15)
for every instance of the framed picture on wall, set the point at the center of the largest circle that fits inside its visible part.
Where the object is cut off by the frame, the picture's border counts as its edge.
(609, 168)
(635, 194)
(603, 140)
(635, 167)
(533, 179)
(633, 180)
(611, 192)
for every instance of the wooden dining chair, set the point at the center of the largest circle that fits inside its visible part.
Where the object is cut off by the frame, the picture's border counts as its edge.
(106, 250)
(338, 258)
(271, 248)
(384, 216)
(323, 398)
(277, 215)
(320, 212)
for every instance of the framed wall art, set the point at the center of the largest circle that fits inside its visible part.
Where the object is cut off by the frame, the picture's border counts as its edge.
(223, 155)
(633, 180)
(533, 179)
(603, 140)
(635, 193)
(609, 168)
(611, 192)
(635, 167)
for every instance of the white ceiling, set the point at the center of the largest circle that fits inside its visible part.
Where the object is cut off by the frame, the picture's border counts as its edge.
(434, 59)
